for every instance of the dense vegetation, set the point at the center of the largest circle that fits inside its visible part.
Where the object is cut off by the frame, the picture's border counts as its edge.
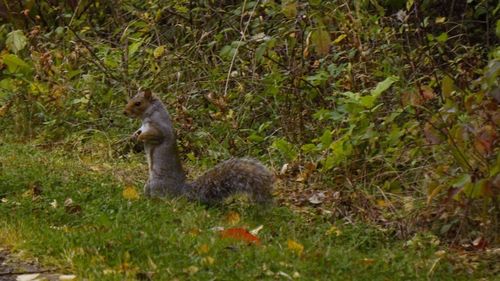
(391, 106)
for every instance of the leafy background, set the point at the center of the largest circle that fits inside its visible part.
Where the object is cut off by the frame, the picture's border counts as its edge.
(388, 107)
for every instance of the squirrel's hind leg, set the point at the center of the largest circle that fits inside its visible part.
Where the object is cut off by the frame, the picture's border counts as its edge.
(154, 188)
(264, 198)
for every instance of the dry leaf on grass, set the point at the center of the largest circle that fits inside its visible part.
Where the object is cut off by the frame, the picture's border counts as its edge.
(240, 234)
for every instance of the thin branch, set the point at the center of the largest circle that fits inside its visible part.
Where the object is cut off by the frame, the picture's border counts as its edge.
(97, 62)
(238, 46)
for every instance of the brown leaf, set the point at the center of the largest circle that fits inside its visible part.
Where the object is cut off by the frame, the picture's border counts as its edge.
(431, 134)
(485, 139)
(427, 93)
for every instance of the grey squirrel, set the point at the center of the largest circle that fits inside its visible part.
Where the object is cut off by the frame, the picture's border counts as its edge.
(166, 175)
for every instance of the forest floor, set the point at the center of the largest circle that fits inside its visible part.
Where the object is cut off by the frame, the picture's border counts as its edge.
(83, 213)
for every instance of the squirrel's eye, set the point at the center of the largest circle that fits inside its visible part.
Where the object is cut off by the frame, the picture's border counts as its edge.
(138, 103)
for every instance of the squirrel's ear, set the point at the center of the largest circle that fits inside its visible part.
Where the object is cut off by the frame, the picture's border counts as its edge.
(147, 94)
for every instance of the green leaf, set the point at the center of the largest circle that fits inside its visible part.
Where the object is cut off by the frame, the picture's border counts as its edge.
(321, 41)
(308, 147)
(442, 37)
(326, 139)
(329, 162)
(476, 190)
(320, 77)
(15, 64)
(409, 4)
(261, 50)
(384, 85)
(367, 101)
(497, 30)
(255, 138)
(132, 48)
(16, 41)
(227, 52)
(289, 9)
(447, 86)
(461, 180)
(285, 148)
(159, 51)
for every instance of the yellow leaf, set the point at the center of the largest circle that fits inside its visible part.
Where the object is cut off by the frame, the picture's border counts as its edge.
(159, 51)
(296, 247)
(440, 19)
(382, 203)
(130, 193)
(194, 231)
(333, 230)
(208, 260)
(191, 270)
(340, 38)
(233, 218)
(203, 249)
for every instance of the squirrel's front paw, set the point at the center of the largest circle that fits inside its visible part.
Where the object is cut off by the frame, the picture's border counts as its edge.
(135, 135)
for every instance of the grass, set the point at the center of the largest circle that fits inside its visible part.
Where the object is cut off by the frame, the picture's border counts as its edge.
(103, 236)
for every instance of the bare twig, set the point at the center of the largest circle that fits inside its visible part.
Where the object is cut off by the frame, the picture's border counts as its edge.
(238, 46)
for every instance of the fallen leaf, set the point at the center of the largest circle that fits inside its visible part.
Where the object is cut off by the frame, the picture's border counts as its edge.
(208, 260)
(440, 253)
(440, 20)
(480, 243)
(367, 261)
(333, 230)
(203, 249)
(130, 193)
(284, 274)
(427, 93)
(159, 51)
(317, 198)
(382, 203)
(68, 202)
(431, 134)
(27, 277)
(240, 234)
(340, 38)
(485, 139)
(194, 231)
(191, 270)
(295, 247)
(256, 230)
(217, 228)
(283, 169)
(67, 277)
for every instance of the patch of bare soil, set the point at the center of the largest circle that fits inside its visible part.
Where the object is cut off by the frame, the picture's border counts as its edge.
(13, 268)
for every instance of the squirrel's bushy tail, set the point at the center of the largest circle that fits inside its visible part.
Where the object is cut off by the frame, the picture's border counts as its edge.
(237, 175)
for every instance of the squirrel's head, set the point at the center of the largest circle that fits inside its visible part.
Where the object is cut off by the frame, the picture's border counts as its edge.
(139, 103)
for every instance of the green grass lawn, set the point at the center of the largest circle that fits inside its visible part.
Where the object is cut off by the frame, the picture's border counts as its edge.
(101, 235)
